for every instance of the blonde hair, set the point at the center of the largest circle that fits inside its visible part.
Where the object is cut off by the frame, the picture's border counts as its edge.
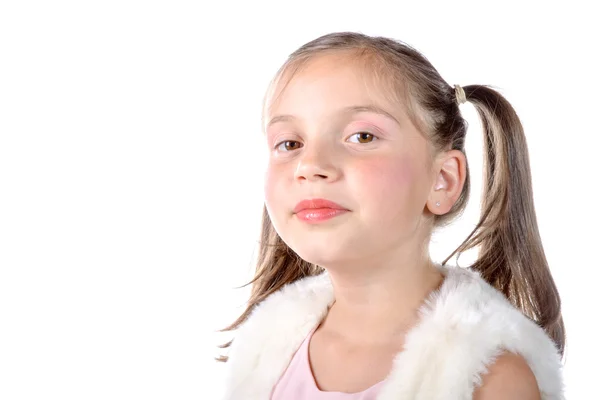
(511, 256)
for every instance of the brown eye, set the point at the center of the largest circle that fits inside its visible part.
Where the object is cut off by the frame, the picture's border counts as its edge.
(364, 137)
(289, 145)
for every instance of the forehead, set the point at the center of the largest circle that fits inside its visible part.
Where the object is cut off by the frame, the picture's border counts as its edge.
(330, 83)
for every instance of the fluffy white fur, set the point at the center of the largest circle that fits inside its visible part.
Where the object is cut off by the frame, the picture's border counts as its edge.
(463, 327)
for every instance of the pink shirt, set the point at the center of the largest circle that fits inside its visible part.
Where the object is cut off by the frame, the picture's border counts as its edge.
(298, 382)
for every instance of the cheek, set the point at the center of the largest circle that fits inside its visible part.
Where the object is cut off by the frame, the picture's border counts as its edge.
(391, 195)
(274, 186)
(270, 183)
(388, 179)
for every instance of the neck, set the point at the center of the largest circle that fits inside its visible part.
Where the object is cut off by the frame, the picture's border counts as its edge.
(379, 304)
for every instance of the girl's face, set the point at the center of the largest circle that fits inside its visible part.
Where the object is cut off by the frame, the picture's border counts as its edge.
(332, 137)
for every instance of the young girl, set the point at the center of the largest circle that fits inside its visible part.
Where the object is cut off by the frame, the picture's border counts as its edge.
(366, 159)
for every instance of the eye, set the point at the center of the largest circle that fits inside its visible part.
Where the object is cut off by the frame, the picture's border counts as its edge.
(289, 145)
(364, 137)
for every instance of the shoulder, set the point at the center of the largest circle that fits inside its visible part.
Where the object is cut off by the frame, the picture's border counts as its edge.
(512, 355)
(509, 377)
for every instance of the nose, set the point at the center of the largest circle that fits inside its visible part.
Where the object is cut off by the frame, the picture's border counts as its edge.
(316, 165)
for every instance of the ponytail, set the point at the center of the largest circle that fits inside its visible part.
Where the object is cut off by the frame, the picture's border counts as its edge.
(511, 256)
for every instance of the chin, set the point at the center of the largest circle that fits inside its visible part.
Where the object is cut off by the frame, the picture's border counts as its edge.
(320, 245)
(322, 253)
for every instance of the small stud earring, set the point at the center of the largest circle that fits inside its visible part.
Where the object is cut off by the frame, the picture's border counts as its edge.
(437, 204)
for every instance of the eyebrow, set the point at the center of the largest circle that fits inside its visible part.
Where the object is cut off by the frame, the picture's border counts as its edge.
(346, 110)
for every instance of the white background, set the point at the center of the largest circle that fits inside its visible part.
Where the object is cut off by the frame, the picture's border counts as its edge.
(131, 169)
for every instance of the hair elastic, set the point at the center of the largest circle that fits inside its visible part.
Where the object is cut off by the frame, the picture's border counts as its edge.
(461, 97)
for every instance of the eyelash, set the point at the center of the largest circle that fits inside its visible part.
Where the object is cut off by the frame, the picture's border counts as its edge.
(375, 137)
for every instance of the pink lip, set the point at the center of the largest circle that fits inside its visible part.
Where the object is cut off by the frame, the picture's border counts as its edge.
(316, 215)
(317, 203)
(317, 210)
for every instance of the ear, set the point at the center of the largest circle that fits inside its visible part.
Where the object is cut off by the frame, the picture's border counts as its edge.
(451, 171)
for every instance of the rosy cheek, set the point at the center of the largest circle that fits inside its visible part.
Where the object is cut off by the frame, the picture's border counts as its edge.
(386, 176)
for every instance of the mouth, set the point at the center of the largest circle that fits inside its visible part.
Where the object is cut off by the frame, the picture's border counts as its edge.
(316, 215)
(312, 204)
(318, 210)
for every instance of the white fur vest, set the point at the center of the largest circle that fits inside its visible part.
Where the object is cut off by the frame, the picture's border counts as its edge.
(463, 327)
